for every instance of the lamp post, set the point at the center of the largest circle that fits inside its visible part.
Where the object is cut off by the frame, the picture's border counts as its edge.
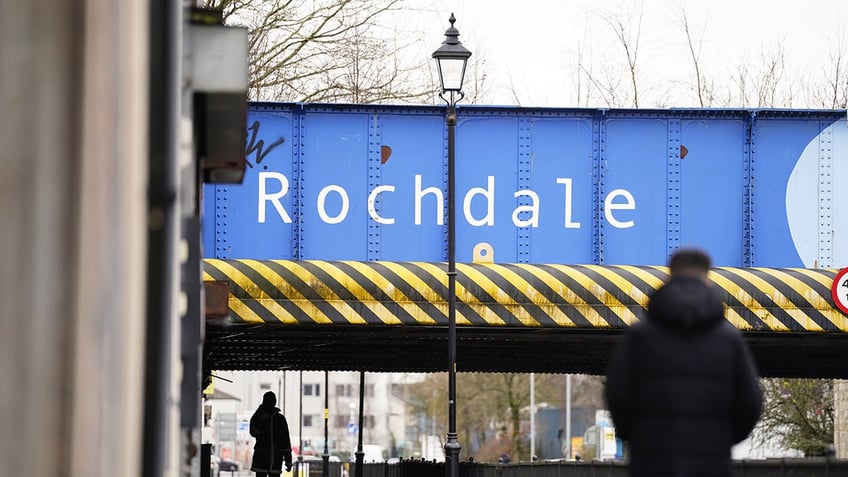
(451, 59)
(299, 464)
(360, 455)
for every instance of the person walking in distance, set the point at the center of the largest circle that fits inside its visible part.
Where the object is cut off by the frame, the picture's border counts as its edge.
(273, 444)
(682, 387)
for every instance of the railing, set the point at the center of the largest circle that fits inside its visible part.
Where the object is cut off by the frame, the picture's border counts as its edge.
(815, 467)
(792, 467)
(314, 468)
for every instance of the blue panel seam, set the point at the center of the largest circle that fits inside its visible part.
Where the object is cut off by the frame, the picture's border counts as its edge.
(750, 190)
(598, 176)
(674, 181)
(825, 255)
(524, 172)
(374, 180)
(221, 222)
(747, 196)
(299, 182)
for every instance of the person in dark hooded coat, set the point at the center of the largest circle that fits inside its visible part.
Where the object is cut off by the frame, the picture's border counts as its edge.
(682, 387)
(273, 444)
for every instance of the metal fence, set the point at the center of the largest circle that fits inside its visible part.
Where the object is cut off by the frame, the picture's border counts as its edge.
(817, 467)
(792, 468)
(315, 468)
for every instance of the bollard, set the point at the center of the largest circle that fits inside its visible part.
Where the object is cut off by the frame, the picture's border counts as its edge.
(205, 460)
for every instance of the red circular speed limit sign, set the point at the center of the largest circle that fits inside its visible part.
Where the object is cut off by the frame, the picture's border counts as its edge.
(839, 290)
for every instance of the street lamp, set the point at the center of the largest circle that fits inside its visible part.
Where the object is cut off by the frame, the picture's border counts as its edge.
(451, 59)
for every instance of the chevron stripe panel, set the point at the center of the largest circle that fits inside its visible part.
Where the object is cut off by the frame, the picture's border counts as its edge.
(522, 295)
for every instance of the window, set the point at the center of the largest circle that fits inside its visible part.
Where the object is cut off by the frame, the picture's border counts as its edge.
(311, 389)
(265, 386)
(340, 421)
(344, 390)
(397, 389)
(369, 390)
(307, 421)
(368, 421)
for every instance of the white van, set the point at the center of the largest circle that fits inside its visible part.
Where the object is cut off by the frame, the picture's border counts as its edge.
(373, 453)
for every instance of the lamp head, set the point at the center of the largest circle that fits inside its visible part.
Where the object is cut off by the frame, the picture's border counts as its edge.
(451, 59)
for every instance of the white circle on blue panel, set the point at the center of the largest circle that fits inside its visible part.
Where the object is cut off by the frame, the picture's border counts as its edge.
(804, 205)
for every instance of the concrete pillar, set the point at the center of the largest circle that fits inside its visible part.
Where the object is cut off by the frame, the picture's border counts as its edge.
(840, 425)
(73, 97)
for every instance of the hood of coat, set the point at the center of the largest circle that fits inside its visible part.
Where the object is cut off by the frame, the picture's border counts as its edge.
(686, 305)
(265, 412)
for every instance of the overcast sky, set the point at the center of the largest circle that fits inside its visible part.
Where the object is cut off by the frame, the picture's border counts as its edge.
(530, 47)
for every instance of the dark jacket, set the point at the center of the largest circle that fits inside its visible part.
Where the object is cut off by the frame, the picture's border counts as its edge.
(273, 445)
(682, 387)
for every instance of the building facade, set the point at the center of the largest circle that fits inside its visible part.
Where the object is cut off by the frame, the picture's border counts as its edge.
(386, 421)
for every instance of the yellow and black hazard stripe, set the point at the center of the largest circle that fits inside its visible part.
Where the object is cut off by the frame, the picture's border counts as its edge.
(551, 296)
(780, 299)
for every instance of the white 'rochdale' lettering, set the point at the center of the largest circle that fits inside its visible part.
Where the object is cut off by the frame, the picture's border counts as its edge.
(275, 197)
(612, 203)
(569, 224)
(489, 194)
(372, 204)
(533, 208)
(610, 206)
(440, 201)
(322, 199)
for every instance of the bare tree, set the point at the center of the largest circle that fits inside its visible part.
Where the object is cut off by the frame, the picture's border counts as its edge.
(695, 42)
(611, 71)
(581, 85)
(606, 85)
(587, 87)
(769, 82)
(364, 73)
(323, 50)
(829, 88)
(738, 90)
(763, 83)
(476, 87)
(627, 27)
(612, 82)
(516, 97)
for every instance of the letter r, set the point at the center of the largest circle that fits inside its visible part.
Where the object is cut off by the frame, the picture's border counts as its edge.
(275, 197)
